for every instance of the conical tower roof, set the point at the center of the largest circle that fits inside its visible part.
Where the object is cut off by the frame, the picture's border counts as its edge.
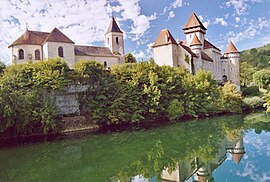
(237, 157)
(195, 41)
(231, 48)
(113, 27)
(164, 37)
(193, 22)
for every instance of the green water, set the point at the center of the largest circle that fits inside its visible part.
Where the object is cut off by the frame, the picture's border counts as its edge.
(176, 152)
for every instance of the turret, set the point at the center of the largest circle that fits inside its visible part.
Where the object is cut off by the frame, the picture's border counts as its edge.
(114, 39)
(194, 27)
(238, 150)
(232, 54)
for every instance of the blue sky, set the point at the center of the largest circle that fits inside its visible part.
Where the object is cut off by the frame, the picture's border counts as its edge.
(246, 22)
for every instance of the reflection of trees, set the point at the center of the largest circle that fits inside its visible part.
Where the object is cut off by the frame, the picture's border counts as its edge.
(188, 141)
(257, 121)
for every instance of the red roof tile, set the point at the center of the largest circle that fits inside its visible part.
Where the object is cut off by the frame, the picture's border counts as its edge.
(164, 38)
(193, 22)
(92, 51)
(208, 45)
(231, 48)
(195, 41)
(57, 36)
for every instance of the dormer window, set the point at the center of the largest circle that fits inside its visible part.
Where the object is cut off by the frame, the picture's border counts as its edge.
(117, 41)
(60, 52)
(37, 54)
(21, 54)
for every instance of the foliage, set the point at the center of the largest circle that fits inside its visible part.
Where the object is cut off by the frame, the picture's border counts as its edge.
(2, 67)
(254, 102)
(230, 99)
(129, 58)
(250, 91)
(267, 102)
(175, 109)
(246, 73)
(26, 103)
(262, 78)
(257, 57)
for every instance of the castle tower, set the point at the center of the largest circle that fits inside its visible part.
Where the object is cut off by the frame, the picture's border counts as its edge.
(196, 47)
(165, 49)
(194, 27)
(238, 151)
(114, 39)
(232, 54)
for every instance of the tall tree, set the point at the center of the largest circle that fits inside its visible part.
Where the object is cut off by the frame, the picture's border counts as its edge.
(129, 58)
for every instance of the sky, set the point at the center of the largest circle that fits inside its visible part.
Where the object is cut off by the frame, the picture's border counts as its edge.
(245, 22)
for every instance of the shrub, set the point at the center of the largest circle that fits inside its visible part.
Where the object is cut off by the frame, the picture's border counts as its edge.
(267, 102)
(250, 91)
(175, 110)
(254, 102)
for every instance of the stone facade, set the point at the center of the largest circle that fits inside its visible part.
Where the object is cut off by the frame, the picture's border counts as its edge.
(196, 53)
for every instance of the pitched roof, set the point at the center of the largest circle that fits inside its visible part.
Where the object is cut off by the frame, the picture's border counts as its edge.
(38, 38)
(92, 51)
(188, 50)
(195, 41)
(164, 38)
(57, 36)
(208, 45)
(231, 48)
(113, 27)
(31, 37)
(193, 22)
(206, 57)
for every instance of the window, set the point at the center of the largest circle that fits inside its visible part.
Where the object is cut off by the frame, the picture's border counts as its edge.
(60, 52)
(21, 54)
(105, 64)
(117, 41)
(37, 54)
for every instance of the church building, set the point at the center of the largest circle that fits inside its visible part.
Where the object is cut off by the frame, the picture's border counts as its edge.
(37, 46)
(196, 52)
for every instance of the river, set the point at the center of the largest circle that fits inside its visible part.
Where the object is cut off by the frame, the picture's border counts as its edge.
(227, 148)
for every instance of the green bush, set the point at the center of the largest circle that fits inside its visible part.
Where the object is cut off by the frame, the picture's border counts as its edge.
(250, 91)
(175, 110)
(254, 102)
(267, 102)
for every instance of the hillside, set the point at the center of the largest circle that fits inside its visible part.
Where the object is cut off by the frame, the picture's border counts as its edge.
(257, 57)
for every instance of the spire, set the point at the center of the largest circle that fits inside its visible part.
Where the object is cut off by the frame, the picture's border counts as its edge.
(237, 157)
(231, 48)
(113, 27)
(195, 41)
(193, 22)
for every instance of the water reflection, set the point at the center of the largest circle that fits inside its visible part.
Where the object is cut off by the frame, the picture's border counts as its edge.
(196, 169)
(217, 149)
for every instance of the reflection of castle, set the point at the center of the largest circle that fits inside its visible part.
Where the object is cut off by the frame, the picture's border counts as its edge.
(196, 169)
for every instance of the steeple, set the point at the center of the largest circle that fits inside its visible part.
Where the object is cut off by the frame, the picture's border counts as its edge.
(231, 48)
(194, 23)
(113, 27)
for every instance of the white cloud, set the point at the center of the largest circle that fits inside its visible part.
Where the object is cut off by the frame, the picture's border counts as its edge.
(171, 15)
(84, 22)
(266, 40)
(177, 4)
(139, 55)
(237, 19)
(220, 21)
(241, 6)
(253, 29)
(206, 23)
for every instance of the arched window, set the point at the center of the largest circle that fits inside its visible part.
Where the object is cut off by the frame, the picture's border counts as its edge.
(60, 52)
(117, 41)
(21, 54)
(105, 64)
(37, 54)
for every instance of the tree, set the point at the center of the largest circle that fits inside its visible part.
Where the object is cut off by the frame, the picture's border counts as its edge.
(267, 102)
(246, 72)
(262, 78)
(129, 58)
(2, 67)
